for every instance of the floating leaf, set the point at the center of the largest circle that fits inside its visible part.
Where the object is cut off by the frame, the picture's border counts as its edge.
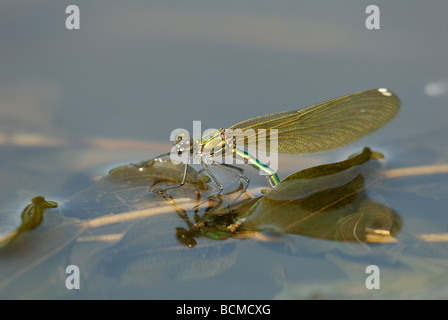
(128, 188)
(155, 171)
(325, 202)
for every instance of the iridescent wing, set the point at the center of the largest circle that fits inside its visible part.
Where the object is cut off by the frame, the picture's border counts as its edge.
(327, 125)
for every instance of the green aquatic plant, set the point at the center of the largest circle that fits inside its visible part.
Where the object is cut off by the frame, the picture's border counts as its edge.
(32, 217)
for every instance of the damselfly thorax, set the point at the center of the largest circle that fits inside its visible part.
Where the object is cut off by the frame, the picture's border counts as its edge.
(216, 148)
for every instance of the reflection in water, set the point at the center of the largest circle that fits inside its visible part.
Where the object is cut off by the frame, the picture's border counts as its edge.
(326, 202)
(322, 202)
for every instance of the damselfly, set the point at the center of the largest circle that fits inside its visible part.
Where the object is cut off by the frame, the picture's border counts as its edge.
(317, 128)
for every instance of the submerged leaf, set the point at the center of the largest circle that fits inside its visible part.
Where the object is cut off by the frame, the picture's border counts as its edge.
(32, 217)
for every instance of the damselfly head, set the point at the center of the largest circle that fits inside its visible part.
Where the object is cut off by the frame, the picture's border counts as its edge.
(183, 142)
(186, 237)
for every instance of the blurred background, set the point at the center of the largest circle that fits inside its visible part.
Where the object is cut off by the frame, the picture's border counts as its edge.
(76, 103)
